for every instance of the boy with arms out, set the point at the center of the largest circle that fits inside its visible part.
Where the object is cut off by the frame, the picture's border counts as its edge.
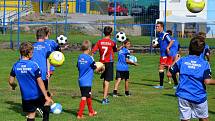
(32, 88)
(86, 66)
(106, 49)
(194, 73)
(122, 67)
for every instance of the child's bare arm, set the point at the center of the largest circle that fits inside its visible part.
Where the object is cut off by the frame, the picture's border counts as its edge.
(209, 81)
(12, 83)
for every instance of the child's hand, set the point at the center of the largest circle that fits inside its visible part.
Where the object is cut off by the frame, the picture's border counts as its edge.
(14, 85)
(136, 64)
(100, 70)
(49, 101)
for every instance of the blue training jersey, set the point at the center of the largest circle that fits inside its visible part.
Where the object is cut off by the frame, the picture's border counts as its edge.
(27, 72)
(175, 47)
(193, 71)
(205, 52)
(86, 66)
(54, 47)
(40, 54)
(164, 40)
(122, 55)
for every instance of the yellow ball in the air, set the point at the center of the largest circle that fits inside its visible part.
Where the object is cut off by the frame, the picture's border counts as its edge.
(195, 6)
(56, 58)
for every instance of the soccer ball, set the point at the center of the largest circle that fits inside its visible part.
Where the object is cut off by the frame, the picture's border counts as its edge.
(155, 42)
(133, 59)
(56, 108)
(100, 67)
(56, 58)
(61, 39)
(195, 6)
(120, 36)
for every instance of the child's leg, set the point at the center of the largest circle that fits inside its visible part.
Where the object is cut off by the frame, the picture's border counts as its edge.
(31, 116)
(116, 85)
(203, 119)
(126, 88)
(105, 88)
(46, 111)
(81, 107)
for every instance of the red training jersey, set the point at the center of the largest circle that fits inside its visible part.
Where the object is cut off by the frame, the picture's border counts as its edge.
(106, 49)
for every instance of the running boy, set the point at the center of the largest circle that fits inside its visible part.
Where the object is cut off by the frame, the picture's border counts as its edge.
(194, 73)
(106, 48)
(32, 88)
(86, 66)
(122, 71)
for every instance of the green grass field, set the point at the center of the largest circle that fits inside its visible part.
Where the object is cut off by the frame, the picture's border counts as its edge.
(145, 104)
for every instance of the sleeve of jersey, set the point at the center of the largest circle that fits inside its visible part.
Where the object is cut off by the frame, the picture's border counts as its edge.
(114, 47)
(37, 71)
(127, 54)
(12, 72)
(56, 46)
(207, 51)
(48, 51)
(168, 38)
(92, 65)
(207, 72)
(95, 48)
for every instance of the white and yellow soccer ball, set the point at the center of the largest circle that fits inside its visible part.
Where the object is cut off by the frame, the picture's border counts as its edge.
(155, 42)
(61, 39)
(56, 58)
(195, 6)
(56, 108)
(120, 36)
(100, 67)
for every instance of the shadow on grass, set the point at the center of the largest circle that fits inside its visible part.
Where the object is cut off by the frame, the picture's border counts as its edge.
(150, 80)
(137, 83)
(211, 112)
(72, 111)
(170, 95)
(16, 107)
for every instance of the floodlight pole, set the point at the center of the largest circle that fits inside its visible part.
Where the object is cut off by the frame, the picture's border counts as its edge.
(41, 7)
(65, 26)
(114, 19)
(4, 17)
(165, 15)
(18, 32)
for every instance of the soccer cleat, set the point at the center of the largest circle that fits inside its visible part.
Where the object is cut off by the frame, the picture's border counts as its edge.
(127, 95)
(175, 87)
(92, 114)
(39, 112)
(115, 95)
(80, 117)
(158, 87)
(105, 101)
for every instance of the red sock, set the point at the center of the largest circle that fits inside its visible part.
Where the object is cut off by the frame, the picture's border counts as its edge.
(81, 107)
(89, 104)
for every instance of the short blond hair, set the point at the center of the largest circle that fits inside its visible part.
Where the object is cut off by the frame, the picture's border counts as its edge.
(86, 45)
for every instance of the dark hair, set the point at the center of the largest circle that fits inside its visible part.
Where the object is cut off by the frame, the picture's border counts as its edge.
(25, 48)
(201, 34)
(126, 41)
(107, 30)
(86, 45)
(40, 34)
(161, 23)
(170, 32)
(47, 30)
(197, 45)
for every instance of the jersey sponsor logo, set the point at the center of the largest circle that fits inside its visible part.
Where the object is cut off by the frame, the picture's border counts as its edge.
(39, 47)
(192, 64)
(23, 69)
(82, 61)
(106, 43)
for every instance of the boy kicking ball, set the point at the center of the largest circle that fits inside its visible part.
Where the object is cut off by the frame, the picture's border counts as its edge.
(86, 67)
(122, 68)
(32, 88)
(194, 73)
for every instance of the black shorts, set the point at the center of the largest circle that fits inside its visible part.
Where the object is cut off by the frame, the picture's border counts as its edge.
(108, 73)
(85, 92)
(32, 105)
(122, 74)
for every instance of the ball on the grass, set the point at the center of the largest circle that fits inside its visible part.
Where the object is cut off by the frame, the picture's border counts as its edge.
(56, 58)
(195, 6)
(61, 39)
(155, 42)
(133, 59)
(100, 67)
(56, 108)
(120, 36)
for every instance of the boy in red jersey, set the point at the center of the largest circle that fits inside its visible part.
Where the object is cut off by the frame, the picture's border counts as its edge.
(106, 48)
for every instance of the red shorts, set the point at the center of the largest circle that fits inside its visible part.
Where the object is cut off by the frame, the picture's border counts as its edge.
(166, 61)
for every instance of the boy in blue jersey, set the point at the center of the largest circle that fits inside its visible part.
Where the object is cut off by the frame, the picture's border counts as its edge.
(122, 71)
(206, 51)
(32, 88)
(86, 66)
(165, 43)
(41, 54)
(194, 73)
